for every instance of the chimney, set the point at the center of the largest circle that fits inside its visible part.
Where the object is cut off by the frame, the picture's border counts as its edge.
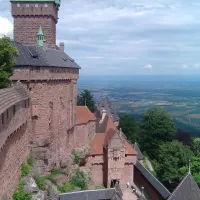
(44, 45)
(62, 46)
(103, 114)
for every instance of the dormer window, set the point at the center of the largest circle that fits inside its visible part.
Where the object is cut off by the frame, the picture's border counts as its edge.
(27, 5)
(46, 5)
(36, 5)
(18, 5)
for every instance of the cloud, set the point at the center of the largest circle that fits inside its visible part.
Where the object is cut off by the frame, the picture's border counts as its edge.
(6, 27)
(148, 66)
(127, 34)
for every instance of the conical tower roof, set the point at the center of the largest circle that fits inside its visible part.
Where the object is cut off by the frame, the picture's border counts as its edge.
(186, 190)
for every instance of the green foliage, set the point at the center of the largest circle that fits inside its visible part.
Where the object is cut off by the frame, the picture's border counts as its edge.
(19, 194)
(51, 178)
(196, 143)
(85, 97)
(68, 187)
(57, 171)
(171, 158)
(76, 157)
(40, 181)
(54, 173)
(195, 169)
(25, 169)
(155, 128)
(7, 54)
(30, 160)
(79, 180)
(128, 125)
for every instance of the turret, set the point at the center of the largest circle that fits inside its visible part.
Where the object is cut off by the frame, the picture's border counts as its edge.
(29, 15)
(40, 37)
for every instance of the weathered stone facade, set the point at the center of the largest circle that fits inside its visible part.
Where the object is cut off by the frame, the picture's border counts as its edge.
(15, 132)
(28, 16)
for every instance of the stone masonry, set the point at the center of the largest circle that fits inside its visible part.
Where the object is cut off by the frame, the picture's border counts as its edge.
(29, 16)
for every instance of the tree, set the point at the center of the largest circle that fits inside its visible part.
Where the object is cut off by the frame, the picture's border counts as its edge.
(196, 143)
(86, 98)
(7, 54)
(155, 128)
(171, 158)
(128, 125)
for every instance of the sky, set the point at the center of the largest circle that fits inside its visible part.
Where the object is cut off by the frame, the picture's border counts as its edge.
(127, 37)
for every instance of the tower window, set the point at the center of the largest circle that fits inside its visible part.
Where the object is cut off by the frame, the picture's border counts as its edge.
(18, 5)
(27, 5)
(36, 5)
(46, 5)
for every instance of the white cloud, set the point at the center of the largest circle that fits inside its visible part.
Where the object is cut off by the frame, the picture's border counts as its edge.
(148, 66)
(6, 27)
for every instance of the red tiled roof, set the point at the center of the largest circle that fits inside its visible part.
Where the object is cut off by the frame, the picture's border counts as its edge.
(84, 115)
(101, 139)
(97, 143)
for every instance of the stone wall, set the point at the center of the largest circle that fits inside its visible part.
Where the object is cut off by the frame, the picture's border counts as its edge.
(84, 133)
(97, 174)
(14, 153)
(27, 19)
(55, 105)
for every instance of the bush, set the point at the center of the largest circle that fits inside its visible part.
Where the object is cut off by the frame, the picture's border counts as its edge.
(50, 177)
(68, 187)
(30, 160)
(79, 180)
(57, 171)
(98, 187)
(25, 169)
(40, 181)
(77, 158)
(19, 194)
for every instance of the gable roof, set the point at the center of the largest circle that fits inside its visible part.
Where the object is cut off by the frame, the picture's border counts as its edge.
(32, 55)
(83, 115)
(109, 194)
(186, 190)
(162, 190)
(139, 155)
(105, 104)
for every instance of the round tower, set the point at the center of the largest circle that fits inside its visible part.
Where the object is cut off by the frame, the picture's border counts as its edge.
(29, 15)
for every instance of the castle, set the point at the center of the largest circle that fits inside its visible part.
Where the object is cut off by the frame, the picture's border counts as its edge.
(38, 113)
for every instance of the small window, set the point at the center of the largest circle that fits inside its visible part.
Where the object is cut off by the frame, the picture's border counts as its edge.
(46, 5)
(27, 5)
(18, 5)
(37, 69)
(14, 110)
(126, 155)
(28, 102)
(2, 119)
(36, 5)
(93, 156)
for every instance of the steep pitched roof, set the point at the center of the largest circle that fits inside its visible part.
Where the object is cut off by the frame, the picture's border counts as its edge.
(139, 155)
(110, 110)
(101, 140)
(11, 96)
(162, 190)
(186, 190)
(32, 55)
(83, 115)
(109, 194)
(105, 125)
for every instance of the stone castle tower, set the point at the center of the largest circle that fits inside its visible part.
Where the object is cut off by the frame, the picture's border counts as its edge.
(51, 77)
(30, 14)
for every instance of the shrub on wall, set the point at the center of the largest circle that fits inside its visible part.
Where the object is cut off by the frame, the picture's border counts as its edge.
(25, 169)
(30, 160)
(19, 194)
(40, 181)
(76, 157)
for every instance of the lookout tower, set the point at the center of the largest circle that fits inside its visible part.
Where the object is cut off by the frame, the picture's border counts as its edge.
(29, 15)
